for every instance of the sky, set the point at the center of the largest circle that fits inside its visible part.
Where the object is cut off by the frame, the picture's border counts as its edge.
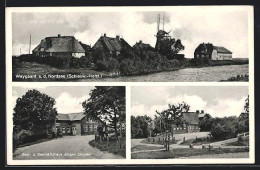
(68, 99)
(218, 101)
(220, 26)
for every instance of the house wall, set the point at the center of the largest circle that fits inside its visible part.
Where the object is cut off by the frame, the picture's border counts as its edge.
(88, 127)
(78, 55)
(220, 56)
(76, 124)
(187, 129)
(64, 125)
(193, 128)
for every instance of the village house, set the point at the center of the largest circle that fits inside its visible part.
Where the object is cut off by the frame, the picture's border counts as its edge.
(111, 45)
(142, 46)
(76, 124)
(208, 50)
(192, 122)
(59, 46)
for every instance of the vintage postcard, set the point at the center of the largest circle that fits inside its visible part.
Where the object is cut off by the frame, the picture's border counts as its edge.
(130, 85)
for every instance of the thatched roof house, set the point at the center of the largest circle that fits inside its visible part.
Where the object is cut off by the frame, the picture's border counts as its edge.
(142, 46)
(111, 45)
(59, 46)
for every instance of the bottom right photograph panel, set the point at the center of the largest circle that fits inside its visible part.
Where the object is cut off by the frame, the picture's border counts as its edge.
(190, 122)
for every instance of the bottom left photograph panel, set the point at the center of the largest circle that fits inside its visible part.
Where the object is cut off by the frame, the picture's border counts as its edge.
(68, 122)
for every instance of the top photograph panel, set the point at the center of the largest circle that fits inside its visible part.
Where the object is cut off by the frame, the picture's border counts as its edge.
(130, 44)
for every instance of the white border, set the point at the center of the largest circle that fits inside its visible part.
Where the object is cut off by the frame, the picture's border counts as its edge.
(128, 160)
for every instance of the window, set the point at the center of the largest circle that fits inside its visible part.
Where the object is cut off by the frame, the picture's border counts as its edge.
(95, 127)
(174, 128)
(63, 130)
(85, 128)
(68, 129)
(91, 128)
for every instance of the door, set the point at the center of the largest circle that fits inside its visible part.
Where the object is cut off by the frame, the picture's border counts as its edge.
(74, 130)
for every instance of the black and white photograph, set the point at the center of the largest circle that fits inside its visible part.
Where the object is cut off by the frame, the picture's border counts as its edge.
(190, 122)
(129, 85)
(69, 123)
(127, 44)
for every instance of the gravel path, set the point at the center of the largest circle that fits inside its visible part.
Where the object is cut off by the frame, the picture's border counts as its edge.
(68, 147)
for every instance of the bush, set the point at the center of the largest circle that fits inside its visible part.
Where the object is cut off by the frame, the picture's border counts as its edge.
(22, 137)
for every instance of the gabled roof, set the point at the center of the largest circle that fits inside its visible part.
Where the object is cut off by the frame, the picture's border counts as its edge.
(71, 116)
(112, 44)
(60, 44)
(201, 115)
(191, 118)
(209, 48)
(222, 50)
(142, 46)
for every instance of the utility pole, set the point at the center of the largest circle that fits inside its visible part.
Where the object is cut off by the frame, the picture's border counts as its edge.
(158, 22)
(30, 45)
(163, 20)
(20, 52)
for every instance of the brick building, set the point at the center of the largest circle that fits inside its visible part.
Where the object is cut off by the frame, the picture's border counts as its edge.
(76, 124)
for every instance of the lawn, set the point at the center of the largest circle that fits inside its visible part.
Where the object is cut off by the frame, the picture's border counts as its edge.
(183, 152)
(239, 143)
(113, 146)
(53, 73)
(199, 141)
(145, 147)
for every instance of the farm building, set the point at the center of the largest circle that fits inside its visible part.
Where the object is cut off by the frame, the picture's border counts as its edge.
(142, 46)
(111, 45)
(76, 124)
(192, 122)
(59, 46)
(208, 50)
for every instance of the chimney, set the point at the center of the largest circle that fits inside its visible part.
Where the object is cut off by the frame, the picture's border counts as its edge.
(140, 41)
(105, 35)
(197, 111)
(118, 37)
(202, 111)
(58, 35)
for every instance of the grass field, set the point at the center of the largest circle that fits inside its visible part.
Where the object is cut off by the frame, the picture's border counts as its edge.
(52, 73)
(113, 146)
(145, 147)
(183, 152)
(199, 141)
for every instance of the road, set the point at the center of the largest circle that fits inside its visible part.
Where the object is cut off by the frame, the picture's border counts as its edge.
(68, 147)
(178, 137)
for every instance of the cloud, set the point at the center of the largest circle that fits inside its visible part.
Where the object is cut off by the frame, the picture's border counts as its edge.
(226, 107)
(220, 108)
(66, 103)
(192, 25)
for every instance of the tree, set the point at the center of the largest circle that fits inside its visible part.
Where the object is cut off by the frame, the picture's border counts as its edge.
(172, 115)
(107, 105)
(246, 107)
(140, 126)
(34, 113)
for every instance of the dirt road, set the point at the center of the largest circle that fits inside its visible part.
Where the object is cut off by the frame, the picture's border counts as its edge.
(68, 147)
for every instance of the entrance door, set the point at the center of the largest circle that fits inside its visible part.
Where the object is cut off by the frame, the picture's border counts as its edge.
(74, 130)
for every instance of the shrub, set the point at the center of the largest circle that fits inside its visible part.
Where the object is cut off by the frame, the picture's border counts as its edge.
(22, 137)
